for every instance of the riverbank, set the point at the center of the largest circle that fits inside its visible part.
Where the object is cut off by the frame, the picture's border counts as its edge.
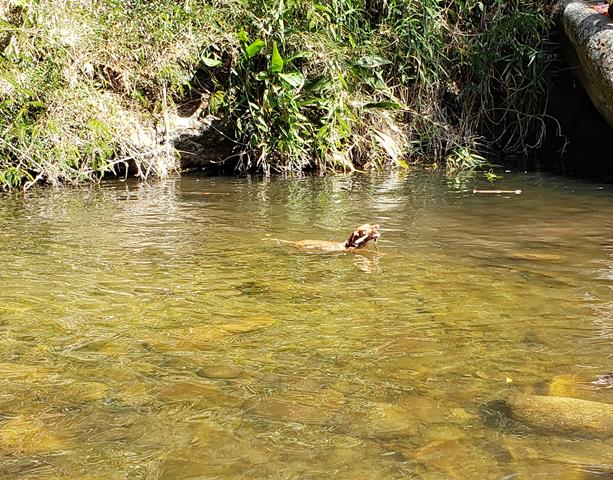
(92, 88)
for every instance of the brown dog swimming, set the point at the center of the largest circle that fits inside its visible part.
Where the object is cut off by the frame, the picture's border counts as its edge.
(358, 239)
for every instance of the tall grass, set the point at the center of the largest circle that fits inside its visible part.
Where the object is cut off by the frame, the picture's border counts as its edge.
(81, 85)
(87, 86)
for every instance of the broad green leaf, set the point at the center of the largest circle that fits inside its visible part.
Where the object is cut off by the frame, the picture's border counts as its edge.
(303, 54)
(371, 61)
(310, 102)
(318, 84)
(15, 84)
(211, 62)
(295, 79)
(252, 49)
(242, 35)
(276, 62)
(322, 132)
(262, 124)
(351, 41)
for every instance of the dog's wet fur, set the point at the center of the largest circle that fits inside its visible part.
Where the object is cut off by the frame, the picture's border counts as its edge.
(357, 240)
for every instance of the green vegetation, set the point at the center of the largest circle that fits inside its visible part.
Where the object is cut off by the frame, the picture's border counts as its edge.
(87, 87)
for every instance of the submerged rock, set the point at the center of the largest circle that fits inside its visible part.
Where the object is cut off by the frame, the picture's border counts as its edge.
(301, 403)
(219, 372)
(425, 409)
(247, 325)
(451, 460)
(385, 420)
(81, 392)
(285, 410)
(28, 435)
(200, 336)
(206, 450)
(136, 393)
(196, 394)
(561, 458)
(459, 415)
(20, 372)
(444, 432)
(558, 415)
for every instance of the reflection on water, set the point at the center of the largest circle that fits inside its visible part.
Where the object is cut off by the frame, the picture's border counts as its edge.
(159, 332)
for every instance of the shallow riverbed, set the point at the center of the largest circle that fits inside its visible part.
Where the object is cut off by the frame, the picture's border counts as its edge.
(158, 331)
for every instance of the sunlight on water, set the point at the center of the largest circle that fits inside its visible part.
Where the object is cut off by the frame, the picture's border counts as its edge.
(161, 332)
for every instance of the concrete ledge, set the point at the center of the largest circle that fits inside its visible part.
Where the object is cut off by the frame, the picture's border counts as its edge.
(590, 51)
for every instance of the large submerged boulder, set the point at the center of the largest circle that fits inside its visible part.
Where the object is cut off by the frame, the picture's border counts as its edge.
(588, 48)
(555, 415)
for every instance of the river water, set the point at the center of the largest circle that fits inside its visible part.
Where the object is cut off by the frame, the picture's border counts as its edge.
(159, 331)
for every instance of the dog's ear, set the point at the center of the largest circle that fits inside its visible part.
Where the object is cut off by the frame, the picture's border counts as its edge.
(356, 239)
(352, 238)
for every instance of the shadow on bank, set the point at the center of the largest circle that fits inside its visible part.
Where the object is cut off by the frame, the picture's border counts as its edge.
(581, 100)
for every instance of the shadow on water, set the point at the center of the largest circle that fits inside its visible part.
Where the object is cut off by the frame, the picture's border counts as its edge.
(155, 330)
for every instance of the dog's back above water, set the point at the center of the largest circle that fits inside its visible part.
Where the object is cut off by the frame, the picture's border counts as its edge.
(357, 240)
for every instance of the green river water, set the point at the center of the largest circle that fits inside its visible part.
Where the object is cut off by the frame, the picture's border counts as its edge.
(158, 331)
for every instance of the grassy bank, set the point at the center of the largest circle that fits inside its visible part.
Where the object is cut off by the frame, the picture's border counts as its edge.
(87, 87)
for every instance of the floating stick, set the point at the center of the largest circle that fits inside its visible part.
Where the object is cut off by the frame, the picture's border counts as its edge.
(516, 192)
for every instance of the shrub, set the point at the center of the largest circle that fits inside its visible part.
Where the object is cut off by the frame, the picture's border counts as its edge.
(87, 86)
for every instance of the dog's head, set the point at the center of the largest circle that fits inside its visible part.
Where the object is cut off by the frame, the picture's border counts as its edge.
(362, 235)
